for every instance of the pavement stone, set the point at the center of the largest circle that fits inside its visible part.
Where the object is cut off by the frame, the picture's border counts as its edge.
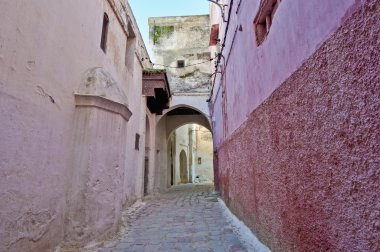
(188, 218)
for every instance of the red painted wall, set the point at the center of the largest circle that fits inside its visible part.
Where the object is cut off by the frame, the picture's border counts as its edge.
(303, 171)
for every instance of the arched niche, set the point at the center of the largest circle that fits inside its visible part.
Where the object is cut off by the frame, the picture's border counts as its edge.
(95, 194)
(98, 89)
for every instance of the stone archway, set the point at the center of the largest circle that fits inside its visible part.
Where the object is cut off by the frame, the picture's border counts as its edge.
(184, 174)
(170, 142)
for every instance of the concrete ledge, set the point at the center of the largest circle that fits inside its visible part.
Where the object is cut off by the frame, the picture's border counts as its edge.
(102, 103)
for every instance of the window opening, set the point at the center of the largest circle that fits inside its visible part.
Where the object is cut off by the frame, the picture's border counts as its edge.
(264, 19)
(137, 142)
(103, 42)
(180, 63)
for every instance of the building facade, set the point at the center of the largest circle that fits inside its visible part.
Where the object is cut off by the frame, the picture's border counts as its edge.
(74, 121)
(295, 108)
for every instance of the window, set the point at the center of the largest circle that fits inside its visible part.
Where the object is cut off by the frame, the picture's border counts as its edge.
(137, 142)
(103, 41)
(180, 63)
(214, 35)
(264, 18)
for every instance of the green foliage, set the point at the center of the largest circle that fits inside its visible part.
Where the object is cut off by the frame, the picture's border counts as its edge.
(160, 31)
(153, 71)
(187, 75)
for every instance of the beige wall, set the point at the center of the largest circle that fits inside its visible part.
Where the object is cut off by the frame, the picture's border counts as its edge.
(182, 38)
(204, 151)
(196, 142)
(181, 144)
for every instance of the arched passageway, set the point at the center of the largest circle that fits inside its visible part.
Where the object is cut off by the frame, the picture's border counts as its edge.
(184, 148)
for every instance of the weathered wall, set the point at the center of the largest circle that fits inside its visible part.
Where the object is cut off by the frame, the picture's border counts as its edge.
(150, 150)
(161, 169)
(196, 142)
(132, 73)
(45, 49)
(303, 170)
(182, 143)
(204, 151)
(182, 38)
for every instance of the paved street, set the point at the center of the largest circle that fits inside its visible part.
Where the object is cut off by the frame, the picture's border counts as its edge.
(187, 218)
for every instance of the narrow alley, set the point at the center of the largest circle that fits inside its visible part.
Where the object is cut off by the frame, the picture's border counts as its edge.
(187, 218)
(193, 125)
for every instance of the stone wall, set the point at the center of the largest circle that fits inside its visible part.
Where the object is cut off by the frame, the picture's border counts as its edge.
(204, 155)
(174, 39)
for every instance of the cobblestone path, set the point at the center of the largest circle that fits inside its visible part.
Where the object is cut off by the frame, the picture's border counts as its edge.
(187, 218)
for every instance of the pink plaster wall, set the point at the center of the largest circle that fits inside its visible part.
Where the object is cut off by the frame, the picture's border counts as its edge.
(299, 28)
(45, 48)
(303, 169)
(95, 196)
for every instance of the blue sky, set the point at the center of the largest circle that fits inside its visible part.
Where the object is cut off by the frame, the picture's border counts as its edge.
(143, 9)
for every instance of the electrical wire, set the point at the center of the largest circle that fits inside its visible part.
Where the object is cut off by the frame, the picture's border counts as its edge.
(195, 64)
(223, 45)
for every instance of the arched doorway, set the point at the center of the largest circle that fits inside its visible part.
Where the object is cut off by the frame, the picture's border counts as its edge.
(183, 167)
(183, 128)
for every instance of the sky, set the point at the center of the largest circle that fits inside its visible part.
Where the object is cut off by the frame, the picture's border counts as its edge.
(143, 9)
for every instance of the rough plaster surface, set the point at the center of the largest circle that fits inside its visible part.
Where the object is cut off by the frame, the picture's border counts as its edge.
(182, 38)
(303, 170)
(97, 172)
(45, 49)
(97, 82)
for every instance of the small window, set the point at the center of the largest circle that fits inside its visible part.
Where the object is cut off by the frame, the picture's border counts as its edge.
(264, 18)
(199, 160)
(137, 142)
(103, 41)
(180, 63)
